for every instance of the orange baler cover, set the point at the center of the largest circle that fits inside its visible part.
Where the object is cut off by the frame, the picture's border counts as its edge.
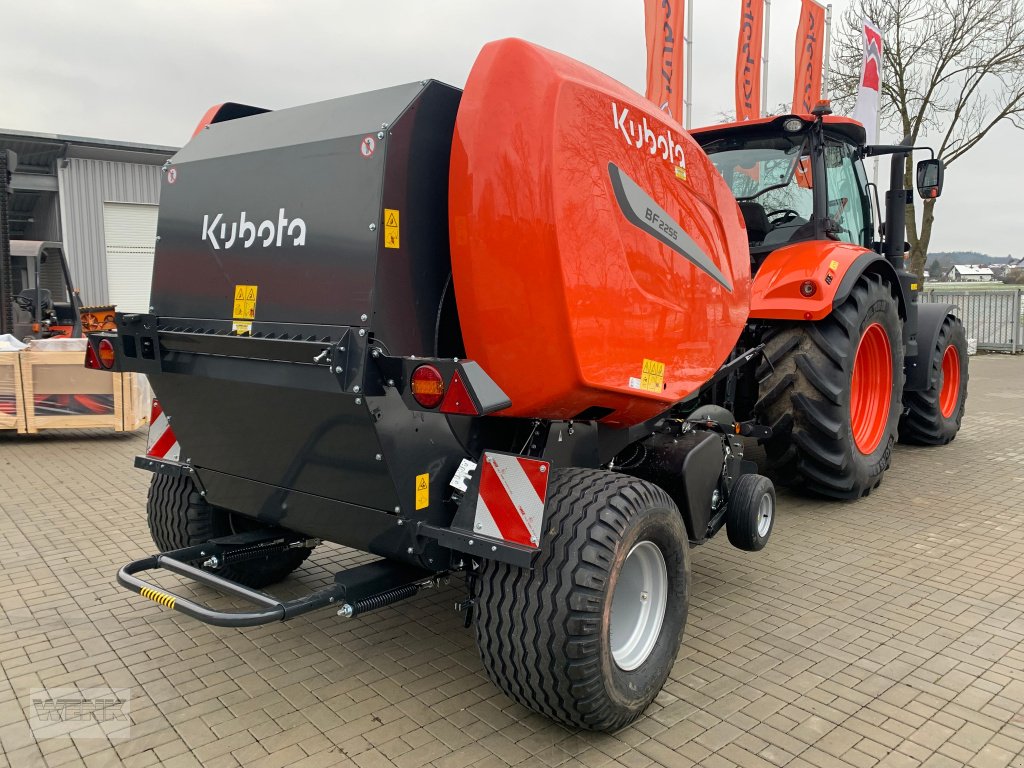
(600, 261)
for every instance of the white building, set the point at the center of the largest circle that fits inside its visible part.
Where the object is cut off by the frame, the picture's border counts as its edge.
(970, 273)
(99, 198)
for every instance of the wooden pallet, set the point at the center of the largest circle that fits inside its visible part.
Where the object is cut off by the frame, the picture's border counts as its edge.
(62, 374)
(11, 392)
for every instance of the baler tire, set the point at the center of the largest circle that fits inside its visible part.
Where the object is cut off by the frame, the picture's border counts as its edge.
(748, 523)
(924, 422)
(179, 517)
(805, 395)
(544, 634)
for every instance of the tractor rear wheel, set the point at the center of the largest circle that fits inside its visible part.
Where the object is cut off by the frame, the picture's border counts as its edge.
(832, 394)
(933, 416)
(179, 517)
(589, 635)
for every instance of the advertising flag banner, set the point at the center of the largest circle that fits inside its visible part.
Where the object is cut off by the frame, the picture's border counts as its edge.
(748, 60)
(664, 21)
(869, 94)
(810, 45)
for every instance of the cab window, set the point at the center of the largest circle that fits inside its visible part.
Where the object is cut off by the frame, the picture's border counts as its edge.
(849, 211)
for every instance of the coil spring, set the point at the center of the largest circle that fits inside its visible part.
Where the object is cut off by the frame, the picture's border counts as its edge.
(383, 599)
(252, 552)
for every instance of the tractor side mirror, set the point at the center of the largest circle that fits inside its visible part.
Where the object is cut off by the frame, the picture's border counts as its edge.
(929, 178)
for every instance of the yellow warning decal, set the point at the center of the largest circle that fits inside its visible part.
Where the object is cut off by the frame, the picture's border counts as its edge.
(833, 264)
(167, 601)
(913, 286)
(422, 491)
(241, 329)
(653, 377)
(244, 306)
(681, 173)
(391, 239)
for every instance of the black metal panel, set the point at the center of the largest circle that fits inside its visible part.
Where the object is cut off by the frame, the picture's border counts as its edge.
(321, 163)
(415, 443)
(316, 442)
(688, 468)
(325, 280)
(352, 525)
(410, 279)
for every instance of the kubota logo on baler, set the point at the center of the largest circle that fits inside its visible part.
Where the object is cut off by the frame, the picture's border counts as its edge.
(640, 135)
(246, 232)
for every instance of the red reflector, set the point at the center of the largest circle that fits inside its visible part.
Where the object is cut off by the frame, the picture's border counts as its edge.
(808, 288)
(457, 399)
(91, 361)
(427, 386)
(106, 353)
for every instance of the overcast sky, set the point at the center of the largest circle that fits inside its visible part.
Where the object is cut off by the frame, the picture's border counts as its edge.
(147, 71)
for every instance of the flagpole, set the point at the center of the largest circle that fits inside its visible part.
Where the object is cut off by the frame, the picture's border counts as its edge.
(688, 40)
(764, 56)
(878, 112)
(828, 46)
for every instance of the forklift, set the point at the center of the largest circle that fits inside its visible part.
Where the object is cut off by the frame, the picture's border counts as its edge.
(37, 297)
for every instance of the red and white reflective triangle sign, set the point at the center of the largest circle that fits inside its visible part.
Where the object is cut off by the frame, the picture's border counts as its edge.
(510, 505)
(161, 442)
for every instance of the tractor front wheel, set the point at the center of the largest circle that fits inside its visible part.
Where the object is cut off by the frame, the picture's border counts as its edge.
(832, 391)
(933, 416)
(589, 635)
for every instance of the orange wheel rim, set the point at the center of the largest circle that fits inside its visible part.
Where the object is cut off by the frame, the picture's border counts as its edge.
(950, 392)
(871, 389)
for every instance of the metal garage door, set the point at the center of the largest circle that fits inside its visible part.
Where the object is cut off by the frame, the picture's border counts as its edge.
(130, 236)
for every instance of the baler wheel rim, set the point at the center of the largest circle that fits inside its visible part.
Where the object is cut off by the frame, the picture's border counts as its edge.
(638, 605)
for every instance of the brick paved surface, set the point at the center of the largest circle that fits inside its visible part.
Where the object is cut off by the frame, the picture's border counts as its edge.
(885, 632)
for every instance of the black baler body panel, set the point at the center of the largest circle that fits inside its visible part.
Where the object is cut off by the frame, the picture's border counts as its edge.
(334, 432)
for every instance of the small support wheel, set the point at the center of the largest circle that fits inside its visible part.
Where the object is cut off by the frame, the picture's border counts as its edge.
(750, 517)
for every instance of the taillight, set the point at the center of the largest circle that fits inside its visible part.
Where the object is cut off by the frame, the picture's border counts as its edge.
(457, 399)
(106, 353)
(427, 386)
(91, 361)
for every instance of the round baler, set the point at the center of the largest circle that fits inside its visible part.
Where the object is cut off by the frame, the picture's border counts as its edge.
(509, 334)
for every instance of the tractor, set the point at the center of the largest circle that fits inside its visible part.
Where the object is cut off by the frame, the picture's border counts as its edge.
(508, 335)
(852, 360)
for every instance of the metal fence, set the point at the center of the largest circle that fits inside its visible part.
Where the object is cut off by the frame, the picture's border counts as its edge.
(994, 317)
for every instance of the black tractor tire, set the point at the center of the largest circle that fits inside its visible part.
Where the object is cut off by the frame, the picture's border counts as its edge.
(746, 510)
(924, 422)
(544, 634)
(179, 517)
(805, 395)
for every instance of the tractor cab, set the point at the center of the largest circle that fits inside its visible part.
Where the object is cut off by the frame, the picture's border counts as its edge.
(795, 177)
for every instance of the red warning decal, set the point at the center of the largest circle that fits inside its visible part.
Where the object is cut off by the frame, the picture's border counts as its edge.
(368, 146)
(510, 505)
(161, 442)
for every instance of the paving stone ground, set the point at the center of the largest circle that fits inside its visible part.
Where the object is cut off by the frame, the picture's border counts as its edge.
(887, 632)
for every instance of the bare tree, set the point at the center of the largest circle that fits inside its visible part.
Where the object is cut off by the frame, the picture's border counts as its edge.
(952, 70)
